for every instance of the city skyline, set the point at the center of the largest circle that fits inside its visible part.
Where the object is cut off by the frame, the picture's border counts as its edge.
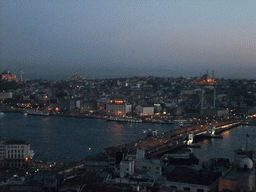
(53, 39)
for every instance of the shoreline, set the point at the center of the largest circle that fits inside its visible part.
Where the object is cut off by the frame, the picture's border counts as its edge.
(107, 118)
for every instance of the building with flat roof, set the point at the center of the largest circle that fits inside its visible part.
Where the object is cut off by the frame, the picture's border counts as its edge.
(118, 107)
(182, 178)
(17, 153)
(143, 111)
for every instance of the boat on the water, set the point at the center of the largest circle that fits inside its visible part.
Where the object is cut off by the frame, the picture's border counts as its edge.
(151, 133)
(124, 119)
(39, 113)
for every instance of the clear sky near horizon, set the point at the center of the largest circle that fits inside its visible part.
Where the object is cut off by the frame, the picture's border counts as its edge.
(122, 38)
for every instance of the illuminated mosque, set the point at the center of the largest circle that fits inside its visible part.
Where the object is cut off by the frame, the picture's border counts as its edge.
(206, 80)
(7, 76)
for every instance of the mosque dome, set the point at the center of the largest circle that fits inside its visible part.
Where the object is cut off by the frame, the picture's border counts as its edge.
(6, 75)
(205, 79)
(246, 163)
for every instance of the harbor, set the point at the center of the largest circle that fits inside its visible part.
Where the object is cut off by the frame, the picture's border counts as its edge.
(47, 135)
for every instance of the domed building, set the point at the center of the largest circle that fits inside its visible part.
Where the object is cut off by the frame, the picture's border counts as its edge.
(77, 77)
(246, 164)
(7, 76)
(246, 175)
(206, 80)
(240, 177)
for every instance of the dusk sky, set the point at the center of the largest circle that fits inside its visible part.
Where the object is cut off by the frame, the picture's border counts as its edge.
(115, 38)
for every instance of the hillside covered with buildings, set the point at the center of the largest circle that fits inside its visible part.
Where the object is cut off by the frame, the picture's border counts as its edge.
(131, 97)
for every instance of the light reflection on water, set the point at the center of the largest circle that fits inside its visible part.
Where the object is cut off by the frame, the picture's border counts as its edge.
(68, 139)
(118, 131)
(224, 148)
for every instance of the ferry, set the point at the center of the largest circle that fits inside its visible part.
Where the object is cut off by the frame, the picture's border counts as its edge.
(123, 119)
(156, 121)
(151, 133)
(39, 113)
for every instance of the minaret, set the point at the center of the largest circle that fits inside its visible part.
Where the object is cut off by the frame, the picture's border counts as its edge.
(202, 103)
(8, 75)
(21, 73)
(214, 97)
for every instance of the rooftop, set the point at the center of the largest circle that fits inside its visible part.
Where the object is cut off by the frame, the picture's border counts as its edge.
(15, 142)
(184, 174)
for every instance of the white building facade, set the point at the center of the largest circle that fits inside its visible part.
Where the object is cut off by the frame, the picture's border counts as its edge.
(17, 153)
(126, 168)
(143, 111)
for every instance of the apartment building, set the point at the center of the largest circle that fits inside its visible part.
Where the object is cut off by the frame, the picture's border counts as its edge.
(17, 153)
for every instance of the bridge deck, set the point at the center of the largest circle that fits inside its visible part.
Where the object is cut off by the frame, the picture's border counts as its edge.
(155, 146)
